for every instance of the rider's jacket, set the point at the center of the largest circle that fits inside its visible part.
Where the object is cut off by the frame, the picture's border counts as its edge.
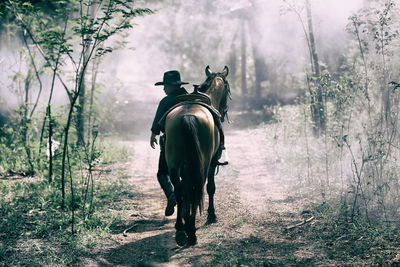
(165, 104)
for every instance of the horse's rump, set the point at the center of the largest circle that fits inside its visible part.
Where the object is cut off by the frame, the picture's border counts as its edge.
(190, 145)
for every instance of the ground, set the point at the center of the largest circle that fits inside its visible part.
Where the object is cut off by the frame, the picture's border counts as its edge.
(253, 206)
(266, 217)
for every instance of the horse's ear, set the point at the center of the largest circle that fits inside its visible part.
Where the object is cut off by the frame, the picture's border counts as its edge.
(225, 72)
(208, 71)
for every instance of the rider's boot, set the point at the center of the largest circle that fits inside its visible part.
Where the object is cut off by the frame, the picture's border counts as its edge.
(219, 155)
(166, 186)
(221, 147)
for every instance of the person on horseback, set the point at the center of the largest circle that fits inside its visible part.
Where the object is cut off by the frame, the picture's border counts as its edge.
(172, 87)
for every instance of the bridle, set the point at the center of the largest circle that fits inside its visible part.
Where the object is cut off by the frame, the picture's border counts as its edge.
(226, 93)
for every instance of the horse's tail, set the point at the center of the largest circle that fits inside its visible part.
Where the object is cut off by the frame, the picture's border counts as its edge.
(194, 168)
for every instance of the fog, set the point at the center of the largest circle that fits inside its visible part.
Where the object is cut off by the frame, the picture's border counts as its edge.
(282, 37)
(189, 35)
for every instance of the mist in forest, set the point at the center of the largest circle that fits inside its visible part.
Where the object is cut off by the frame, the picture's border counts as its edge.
(188, 36)
(312, 146)
(180, 37)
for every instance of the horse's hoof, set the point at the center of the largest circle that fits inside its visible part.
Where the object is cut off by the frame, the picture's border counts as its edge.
(181, 238)
(192, 240)
(211, 219)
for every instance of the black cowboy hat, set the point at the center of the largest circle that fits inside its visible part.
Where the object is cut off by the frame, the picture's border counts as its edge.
(171, 77)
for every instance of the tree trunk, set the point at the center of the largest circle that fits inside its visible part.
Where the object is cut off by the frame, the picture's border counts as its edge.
(317, 106)
(232, 60)
(65, 147)
(243, 58)
(25, 124)
(315, 61)
(50, 140)
(260, 65)
(80, 125)
(80, 117)
(95, 70)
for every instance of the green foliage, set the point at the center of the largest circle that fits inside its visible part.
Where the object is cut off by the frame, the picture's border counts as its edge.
(19, 150)
(334, 234)
(73, 34)
(223, 258)
(30, 212)
(353, 166)
(113, 151)
(365, 108)
(35, 213)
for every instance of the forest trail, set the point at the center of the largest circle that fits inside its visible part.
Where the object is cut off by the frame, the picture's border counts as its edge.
(253, 207)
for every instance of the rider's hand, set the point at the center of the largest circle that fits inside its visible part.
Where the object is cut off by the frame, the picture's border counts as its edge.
(153, 140)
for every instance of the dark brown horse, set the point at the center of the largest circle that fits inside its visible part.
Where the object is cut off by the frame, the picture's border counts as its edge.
(192, 140)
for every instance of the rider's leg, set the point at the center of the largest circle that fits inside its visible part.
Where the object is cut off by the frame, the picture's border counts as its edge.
(221, 148)
(165, 182)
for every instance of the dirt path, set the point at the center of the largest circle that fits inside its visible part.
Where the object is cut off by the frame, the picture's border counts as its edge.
(252, 206)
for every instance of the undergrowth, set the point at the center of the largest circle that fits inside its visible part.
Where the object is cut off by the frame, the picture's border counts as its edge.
(35, 231)
(349, 226)
(351, 240)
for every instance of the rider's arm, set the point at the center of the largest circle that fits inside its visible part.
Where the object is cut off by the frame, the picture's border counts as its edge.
(162, 108)
(155, 127)
(153, 140)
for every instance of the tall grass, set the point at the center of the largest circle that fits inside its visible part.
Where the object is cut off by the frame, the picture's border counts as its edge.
(35, 231)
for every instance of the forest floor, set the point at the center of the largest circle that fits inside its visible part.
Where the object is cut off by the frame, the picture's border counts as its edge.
(255, 206)
(267, 216)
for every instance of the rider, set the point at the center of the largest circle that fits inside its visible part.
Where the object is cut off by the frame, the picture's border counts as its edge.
(172, 87)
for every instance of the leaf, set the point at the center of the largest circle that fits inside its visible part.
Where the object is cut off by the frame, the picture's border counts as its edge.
(395, 85)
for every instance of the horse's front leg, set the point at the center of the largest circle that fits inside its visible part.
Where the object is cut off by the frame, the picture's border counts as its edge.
(180, 235)
(211, 218)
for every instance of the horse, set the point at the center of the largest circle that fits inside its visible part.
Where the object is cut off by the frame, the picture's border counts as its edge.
(192, 141)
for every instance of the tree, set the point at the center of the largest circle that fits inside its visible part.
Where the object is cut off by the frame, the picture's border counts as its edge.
(315, 89)
(317, 105)
(86, 26)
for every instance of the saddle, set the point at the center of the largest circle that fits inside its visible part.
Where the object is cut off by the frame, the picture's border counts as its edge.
(195, 96)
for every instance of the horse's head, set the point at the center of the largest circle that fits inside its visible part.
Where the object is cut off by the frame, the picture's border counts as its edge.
(217, 88)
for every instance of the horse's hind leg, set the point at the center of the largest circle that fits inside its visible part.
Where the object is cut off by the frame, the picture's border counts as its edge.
(180, 235)
(190, 226)
(211, 218)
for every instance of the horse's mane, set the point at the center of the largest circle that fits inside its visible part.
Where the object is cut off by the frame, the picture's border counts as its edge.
(207, 84)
